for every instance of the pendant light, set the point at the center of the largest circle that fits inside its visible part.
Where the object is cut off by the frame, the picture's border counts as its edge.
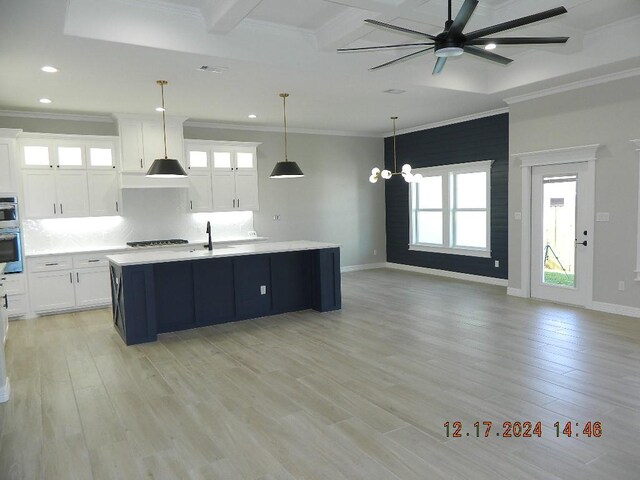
(376, 173)
(165, 167)
(286, 169)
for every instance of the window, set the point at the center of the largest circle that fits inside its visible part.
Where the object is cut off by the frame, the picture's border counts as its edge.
(450, 209)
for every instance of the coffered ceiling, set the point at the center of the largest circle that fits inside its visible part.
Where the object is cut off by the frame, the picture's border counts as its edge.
(110, 52)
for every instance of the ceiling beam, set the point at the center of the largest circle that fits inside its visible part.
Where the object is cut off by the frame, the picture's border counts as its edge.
(222, 16)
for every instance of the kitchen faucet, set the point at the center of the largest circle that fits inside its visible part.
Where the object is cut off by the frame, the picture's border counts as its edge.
(209, 244)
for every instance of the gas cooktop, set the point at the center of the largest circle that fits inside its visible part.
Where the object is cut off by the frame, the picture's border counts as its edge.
(158, 243)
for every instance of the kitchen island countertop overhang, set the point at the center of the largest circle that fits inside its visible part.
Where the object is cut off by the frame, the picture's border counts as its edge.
(164, 291)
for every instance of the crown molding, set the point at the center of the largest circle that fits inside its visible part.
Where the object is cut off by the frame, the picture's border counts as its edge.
(165, 7)
(57, 116)
(589, 82)
(451, 121)
(263, 128)
(637, 142)
(10, 132)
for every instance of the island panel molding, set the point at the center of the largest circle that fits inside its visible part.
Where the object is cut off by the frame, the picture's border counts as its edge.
(637, 270)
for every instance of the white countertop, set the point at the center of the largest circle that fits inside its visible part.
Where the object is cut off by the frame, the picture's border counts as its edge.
(162, 256)
(126, 248)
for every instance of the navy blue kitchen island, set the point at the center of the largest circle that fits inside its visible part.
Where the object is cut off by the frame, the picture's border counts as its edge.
(165, 291)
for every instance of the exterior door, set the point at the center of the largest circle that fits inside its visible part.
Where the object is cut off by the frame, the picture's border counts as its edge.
(562, 203)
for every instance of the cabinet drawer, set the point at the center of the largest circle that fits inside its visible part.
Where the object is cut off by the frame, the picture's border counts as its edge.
(13, 283)
(48, 264)
(90, 260)
(16, 305)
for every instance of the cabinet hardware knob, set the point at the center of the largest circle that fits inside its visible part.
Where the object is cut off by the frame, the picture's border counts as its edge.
(117, 209)
(61, 212)
(191, 204)
(78, 277)
(6, 301)
(70, 277)
(50, 264)
(54, 209)
(141, 166)
(94, 260)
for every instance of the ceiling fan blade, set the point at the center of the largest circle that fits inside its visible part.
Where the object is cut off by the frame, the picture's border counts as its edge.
(518, 40)
(406, 57)
(439, 65)
(376, 23)
(383, 46)
(481, 52)
(519, 22)
(463, 17)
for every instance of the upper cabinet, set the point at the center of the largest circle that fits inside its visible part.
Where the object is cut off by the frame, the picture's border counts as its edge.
(142, 141)
(8, 170)
(69, 175)
(223, 176)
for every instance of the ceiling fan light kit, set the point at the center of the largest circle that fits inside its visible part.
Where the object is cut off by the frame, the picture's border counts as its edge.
(452, 42)
(385, 174)
(286, 169)
(165, 167)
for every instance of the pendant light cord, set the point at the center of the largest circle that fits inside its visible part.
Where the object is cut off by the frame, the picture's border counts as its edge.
(284, 109)
(395, 163)
(162, 83)
(449, 10)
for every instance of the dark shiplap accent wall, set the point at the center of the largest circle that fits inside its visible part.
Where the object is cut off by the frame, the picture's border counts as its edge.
(482, 139)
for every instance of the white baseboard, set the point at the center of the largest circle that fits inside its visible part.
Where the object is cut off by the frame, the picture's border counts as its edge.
(446, 273)
(366, 266)
(515, 292)
(615, 308)
(5, 391)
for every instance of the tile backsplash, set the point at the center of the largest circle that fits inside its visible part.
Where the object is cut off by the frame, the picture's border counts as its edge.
(148, 214)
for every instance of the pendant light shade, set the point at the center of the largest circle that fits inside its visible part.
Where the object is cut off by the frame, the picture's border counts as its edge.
(165, 167)
(286, 169)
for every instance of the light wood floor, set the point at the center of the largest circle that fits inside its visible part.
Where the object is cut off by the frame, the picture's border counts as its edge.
(358, 394)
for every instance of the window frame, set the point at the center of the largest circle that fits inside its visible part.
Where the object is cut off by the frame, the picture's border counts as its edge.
(449, 208)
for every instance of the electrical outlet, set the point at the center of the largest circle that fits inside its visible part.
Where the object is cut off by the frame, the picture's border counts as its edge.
(375, 252)
(497, 263)
(621, 286)
(263, 289)
(276, 218)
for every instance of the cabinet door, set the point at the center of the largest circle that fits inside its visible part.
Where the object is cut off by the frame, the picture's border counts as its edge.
(200, 194)
(72, 193)
(52, 291)
(92, 286)
(103, 193)
(224, 191)
(153, 142)
(251, 278)
(131, 142)
(175, 140)
(6, 169)
(247, 190)
(39, 194)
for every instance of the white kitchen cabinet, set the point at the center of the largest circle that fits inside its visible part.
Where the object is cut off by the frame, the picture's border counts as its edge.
(52, 290)
(66, 282)
(62, 193)
(15, 302)
(8, 169)
(234, 174)
(104, 195)
(142, 141)
(200, 193)
(92, 286)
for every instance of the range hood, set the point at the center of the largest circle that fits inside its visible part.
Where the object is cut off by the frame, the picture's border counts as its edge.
(140, 180)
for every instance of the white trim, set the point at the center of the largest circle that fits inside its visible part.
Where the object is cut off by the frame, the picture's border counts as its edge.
(57, 116)
(525, 242)
(451, 121)
(366, 266)
(10, 132)
(574, 86)
(516, 292)
(264, 128)
(555, 156)
(615, 309)
(467, 252)
(5, 391)
(637, 270)
(220, 143)
(500, 282)
(459, 168)
(65, 136)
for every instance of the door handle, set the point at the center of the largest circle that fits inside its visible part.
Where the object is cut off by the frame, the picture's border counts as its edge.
(191, 204)
(54, 209)
(238, 202)
(117, 208)
(582, 243)
(70, 277)
(77, 277)
(61, 212)
(141, 166)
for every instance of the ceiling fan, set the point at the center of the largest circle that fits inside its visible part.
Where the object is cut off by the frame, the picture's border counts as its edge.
(453, 42)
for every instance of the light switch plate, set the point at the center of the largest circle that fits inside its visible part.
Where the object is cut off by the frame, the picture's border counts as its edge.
(263, 289)
(517, 215)
(602, 217)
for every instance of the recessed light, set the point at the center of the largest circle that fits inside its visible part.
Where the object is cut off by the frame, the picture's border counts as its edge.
(159, 109)
(213, 68)
(253, 116)
(490, 46)
(49, 69)
(394, 91)
(45, 100)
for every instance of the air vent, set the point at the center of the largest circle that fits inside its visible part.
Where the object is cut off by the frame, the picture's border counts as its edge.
(212, 68)
(394, 91)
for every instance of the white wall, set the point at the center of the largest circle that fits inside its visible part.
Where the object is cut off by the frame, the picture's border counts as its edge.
(333, 202)
(606, 114)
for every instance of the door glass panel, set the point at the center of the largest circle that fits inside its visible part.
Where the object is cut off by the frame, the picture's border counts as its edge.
(100, 157)
(471, 229)
(559, 230)
(198, 159)
(36, 155)
(221, 160)
(70, 156)
(244, 160)
(430, 228)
